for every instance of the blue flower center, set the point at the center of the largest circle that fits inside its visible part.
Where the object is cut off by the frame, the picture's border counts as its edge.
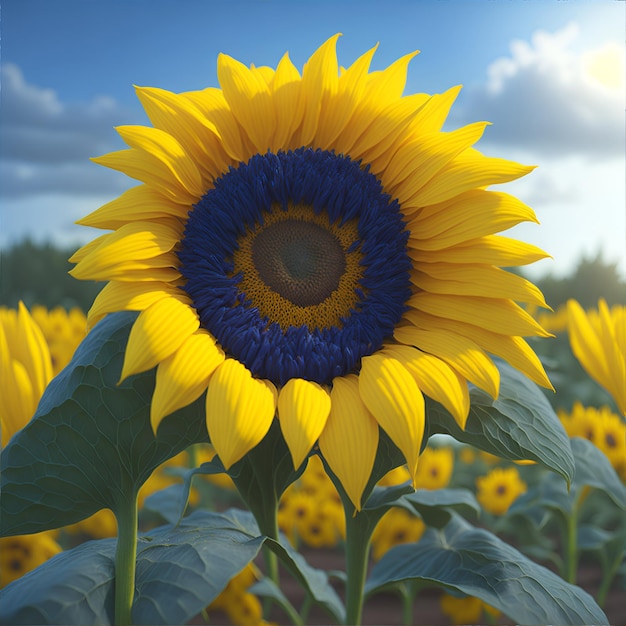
(296, 263)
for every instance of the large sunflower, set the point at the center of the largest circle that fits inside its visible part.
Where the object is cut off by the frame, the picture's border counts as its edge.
(313, 248)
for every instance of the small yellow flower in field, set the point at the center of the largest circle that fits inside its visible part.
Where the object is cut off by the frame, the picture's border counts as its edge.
(34, 347)
(396, 476)
(63, 331)
(602, 427)
(467, 455)
(241, 607)
(499, 489)
(314, 245)
(598, 340)
(310, 510)
(554, 321)
(25, 369)
(100, 525)
(396, 527)
(23, 553)
(468, 610)
(434, 469)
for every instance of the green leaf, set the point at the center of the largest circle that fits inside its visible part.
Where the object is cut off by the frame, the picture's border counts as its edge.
(170, 503)
(314, 581)
(435, 506)
(594, 469)
(180, 570)
(520, 424)
(74, 587)
(183, 569)
(266, 588)
(90, 444)
(476, 563)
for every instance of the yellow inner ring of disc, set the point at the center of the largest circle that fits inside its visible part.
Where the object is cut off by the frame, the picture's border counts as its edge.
(277, 308)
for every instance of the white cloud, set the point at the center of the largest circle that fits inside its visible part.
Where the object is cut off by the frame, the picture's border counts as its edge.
(552, 98)
(46, 143)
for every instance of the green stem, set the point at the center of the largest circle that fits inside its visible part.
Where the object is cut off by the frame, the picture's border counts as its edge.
(125, 560)
(357, 550)
(571, 548)
(407, 604)
(608, 574)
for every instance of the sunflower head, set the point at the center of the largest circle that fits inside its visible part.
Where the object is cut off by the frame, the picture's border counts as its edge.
(312, 247)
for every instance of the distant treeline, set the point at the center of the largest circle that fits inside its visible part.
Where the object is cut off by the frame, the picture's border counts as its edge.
(38, 274)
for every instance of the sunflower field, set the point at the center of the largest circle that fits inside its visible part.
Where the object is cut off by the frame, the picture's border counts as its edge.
(315, 386)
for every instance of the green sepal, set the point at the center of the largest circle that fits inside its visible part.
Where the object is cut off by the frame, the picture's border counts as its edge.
(90, 444)
(519, 424)
(475, 562)
(262, 476)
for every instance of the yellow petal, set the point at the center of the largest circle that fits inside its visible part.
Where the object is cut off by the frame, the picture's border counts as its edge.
(490, 249)
(497, 315)
(288, 104)
(476, 280)
(139, 203)
(468, 170)
(303, 409)
(514, 350)
(134, 246)
(17, 399)
(249, 98)
(167, 152)
(157, 333)
(239, 411)
(131, 296)
(436, 379)
(319, 83)
(392, 396)
(213, 105)
(33, 352)
(349, 440)
(179, 117)
(434, 113)
(386, 86)
(386, 128)
(458, 351)
(472, 214)
(416, 162)
(335, 117)
(597, 350)
(184, 376)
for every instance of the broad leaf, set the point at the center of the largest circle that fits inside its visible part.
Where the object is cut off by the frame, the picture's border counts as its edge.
(520, 424)
(74, 587)
(90, 444)
(475, 562)
(314, 581)
(435, 506)
(594, 469)
(180, 571)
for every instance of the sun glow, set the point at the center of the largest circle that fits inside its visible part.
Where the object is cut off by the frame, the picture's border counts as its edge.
(606, 66)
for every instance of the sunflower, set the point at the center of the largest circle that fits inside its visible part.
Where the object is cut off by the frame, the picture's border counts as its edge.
(26, 368)
(499, 489)
(598, 340)
(311, 246)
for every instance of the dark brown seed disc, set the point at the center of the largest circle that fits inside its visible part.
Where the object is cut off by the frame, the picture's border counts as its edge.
(300, 260)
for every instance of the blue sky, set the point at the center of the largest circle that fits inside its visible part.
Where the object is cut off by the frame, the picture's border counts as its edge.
(548, 74)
